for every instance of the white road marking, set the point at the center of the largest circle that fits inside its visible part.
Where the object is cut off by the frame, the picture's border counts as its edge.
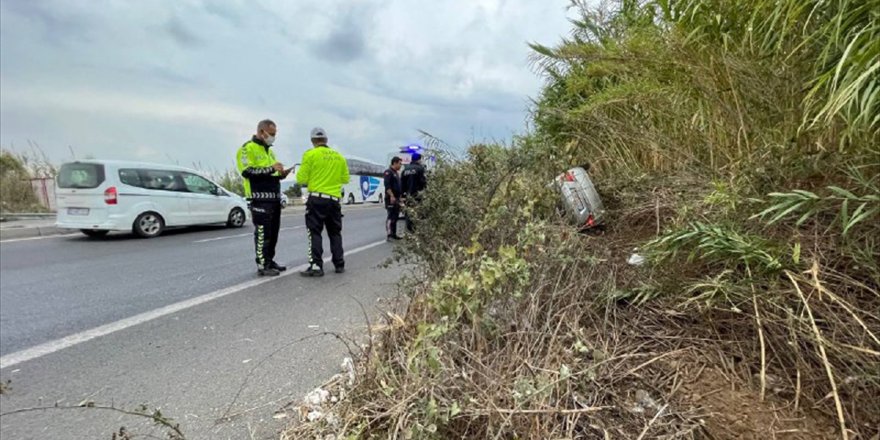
(249, 234)
(106, 329)
(42, 237)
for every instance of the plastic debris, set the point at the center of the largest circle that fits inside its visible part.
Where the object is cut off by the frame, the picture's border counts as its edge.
(645, 404)
(636, 260)
(348, 366)
(317, 397)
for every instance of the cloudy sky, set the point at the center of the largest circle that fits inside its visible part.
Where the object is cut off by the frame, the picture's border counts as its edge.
(185, 81)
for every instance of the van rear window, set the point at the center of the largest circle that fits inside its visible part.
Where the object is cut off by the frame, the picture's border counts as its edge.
(80, 175)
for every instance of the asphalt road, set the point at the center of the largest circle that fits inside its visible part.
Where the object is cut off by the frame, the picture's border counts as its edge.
(190, 361)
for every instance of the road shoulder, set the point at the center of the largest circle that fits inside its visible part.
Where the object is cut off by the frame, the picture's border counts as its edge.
(268, 345)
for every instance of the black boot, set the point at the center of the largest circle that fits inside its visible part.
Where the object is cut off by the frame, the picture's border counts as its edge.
(313, 271)
(268, 272)
(276, 266)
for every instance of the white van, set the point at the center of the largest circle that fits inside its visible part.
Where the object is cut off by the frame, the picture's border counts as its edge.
(98, 196)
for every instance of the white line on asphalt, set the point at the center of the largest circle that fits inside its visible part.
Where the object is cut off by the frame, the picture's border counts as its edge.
(43, 237)
(106, 329)
(249, 234)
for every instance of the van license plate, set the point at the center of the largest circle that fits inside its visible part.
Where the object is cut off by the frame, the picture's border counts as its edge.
(78, 211)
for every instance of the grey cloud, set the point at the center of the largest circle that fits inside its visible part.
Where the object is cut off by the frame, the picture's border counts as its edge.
(180, 34)
(483, 99)
(172, 77)
(347, 40)
(59, 26)
(141, 74)
(160, 76)
(335, 62)
(230, 13)
(342, 46)
(489, 100)
(343, 110)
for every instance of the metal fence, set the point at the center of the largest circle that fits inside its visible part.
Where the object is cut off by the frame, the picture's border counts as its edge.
(44, 189)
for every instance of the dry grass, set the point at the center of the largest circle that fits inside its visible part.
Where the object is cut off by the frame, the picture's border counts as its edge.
(547, 341)
(726, 153)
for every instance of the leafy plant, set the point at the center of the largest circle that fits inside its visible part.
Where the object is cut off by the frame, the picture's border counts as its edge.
(805, 205)
(715, 244)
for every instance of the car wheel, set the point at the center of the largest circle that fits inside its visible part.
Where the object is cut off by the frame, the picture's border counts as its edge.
(351, 199)
(236, 218)
(148, 225)
(94, 233)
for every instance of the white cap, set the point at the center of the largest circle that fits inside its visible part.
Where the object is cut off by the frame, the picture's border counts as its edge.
(319, 133)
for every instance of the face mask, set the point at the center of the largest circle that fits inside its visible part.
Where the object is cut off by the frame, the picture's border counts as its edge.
(270, 140)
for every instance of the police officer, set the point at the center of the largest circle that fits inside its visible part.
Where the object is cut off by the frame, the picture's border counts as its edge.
(393, 194)
(324, 171)
(414, 182)
(262, 187)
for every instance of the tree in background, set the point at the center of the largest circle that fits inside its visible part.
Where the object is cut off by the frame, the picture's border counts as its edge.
(16, 193)
(232, 181)
(294, 192)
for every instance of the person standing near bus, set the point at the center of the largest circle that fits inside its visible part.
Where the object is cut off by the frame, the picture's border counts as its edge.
(414, 182)
(262, 176)
(324, 171)
(393, 193)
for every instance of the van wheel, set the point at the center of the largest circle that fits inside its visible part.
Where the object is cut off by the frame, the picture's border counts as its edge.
(94, 233)
(148, 225)
(236, 218)
(350, 199)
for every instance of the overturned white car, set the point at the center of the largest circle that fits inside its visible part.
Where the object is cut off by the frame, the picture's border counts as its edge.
(580, 198)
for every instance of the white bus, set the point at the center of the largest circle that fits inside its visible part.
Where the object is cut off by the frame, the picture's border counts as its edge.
(367, 182)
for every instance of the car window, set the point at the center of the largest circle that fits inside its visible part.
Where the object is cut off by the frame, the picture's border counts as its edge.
(198, 184)
(80, 175)
(130, 176)
(162, 180)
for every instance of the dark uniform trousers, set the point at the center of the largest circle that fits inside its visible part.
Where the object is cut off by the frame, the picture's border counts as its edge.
(320, 213)
(391, 221)
(267, 223)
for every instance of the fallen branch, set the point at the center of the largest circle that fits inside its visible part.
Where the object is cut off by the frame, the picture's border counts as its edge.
(157, 417)
(819, 340)
(225, 417)
(589, 409)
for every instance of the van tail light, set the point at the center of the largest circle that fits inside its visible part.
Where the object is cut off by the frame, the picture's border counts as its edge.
(591, 221)
(110, 196)
(569, 177)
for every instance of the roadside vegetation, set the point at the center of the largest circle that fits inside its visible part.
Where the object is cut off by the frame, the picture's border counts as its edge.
(737, 147)
(229, 179)
(16, 171)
